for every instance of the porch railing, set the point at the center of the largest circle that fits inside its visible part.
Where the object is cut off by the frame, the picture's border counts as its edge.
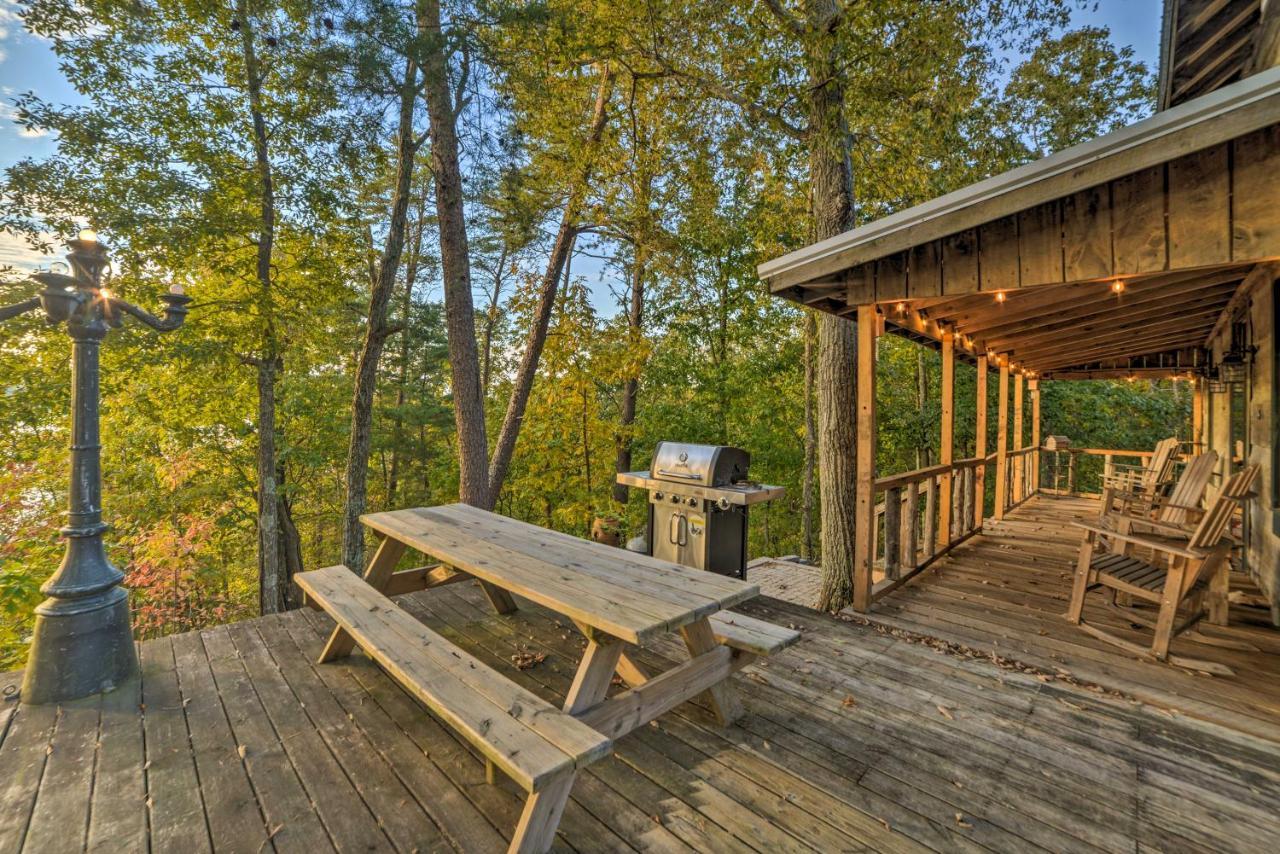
(1081, 471)
(923, 514)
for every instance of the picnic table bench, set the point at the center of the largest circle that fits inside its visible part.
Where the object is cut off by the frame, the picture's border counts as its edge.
(617, 599)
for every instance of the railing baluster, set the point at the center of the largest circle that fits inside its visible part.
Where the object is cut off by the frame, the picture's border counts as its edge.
(957, 503)
(931, 518)
(966, 507)
(893, 532)
(911, 527)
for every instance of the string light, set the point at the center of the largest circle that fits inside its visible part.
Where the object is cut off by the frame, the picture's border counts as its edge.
(902, 308)
(1117, 286)
(1000, 296)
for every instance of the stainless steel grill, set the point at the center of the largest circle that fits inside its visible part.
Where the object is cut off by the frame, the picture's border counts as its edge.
(698, 501)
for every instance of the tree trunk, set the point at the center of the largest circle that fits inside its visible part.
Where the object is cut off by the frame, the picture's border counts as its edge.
(268, 360)
(810, 437)
(402, 376)
(269, 565)
(537, 336)
(377, 328)
(290, 548)
(455, 267)
(631, 387)
(831, 176)
(491, 320)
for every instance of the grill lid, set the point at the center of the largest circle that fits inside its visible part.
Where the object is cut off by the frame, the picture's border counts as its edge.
(700, 465)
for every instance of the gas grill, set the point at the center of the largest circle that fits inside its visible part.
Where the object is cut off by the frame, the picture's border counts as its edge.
(698, 501)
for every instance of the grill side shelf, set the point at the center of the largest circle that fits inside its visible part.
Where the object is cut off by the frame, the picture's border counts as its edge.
(743, 495)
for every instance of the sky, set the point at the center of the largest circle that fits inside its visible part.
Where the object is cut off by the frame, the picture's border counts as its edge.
(28, 65)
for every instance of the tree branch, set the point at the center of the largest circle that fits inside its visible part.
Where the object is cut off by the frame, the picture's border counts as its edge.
(788, 20)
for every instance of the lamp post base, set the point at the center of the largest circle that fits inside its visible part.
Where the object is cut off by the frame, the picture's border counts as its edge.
(78, 648)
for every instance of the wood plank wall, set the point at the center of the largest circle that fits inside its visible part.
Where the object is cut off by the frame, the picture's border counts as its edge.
(1208, 207)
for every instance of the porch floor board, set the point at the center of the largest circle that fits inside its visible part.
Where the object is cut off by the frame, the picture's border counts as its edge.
(854, 739)
(1005, 593)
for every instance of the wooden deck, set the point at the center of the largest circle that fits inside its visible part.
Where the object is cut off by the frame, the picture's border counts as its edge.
(855, 739)
(1004, 594)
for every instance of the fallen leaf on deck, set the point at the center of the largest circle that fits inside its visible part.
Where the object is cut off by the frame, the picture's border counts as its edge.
(946, 713)
(527, 660)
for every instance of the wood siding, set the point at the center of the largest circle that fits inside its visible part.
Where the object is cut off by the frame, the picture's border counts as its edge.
(1209, 207)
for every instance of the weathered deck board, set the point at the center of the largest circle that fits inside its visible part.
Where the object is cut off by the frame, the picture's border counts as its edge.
(855, 739)
(1005, 593)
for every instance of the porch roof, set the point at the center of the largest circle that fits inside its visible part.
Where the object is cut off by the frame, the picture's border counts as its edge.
(1176, 208)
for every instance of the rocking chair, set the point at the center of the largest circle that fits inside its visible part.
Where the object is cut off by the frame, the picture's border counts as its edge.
(1181, 569)
(1147, 478)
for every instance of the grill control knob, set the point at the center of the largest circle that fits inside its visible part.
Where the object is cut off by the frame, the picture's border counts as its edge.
(675, 499)
(692, 502)
(658, 496)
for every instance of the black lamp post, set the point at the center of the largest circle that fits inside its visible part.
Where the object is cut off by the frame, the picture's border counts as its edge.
(83, 643)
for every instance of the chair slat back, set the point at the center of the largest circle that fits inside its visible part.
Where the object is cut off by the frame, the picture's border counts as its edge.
(1158, 469)
(1214, 524)
(1189, 489)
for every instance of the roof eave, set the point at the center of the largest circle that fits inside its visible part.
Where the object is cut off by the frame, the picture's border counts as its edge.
(1085, 162)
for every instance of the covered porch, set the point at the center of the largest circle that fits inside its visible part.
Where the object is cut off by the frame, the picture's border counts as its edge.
(1149, 253)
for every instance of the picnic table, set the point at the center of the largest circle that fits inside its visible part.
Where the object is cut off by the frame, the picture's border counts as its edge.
(618, 600)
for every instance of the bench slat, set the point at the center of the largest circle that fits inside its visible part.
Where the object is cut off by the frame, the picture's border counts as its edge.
(751, 635)
(529, 739)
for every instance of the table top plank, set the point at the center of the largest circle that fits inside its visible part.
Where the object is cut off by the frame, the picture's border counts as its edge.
(592, 587)
(611, 610)
(671, 582)
(710, 583)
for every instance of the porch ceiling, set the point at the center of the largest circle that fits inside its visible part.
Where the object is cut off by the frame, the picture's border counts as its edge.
(1154, 325)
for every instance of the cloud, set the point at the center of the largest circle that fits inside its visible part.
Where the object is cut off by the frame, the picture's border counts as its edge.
(15, 252)
(9, 115)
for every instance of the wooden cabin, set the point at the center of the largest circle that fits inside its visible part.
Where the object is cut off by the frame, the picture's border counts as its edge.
(1150, 252)
(944, 720)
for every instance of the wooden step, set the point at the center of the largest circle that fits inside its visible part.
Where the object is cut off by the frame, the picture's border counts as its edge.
(530, 740)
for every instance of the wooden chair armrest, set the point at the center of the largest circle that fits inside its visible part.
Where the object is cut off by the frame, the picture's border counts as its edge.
(1161, 545)
(1177, 530)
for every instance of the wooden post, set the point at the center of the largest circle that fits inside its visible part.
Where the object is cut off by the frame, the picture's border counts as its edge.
(1198, 409)
(1002, 441)
(865, 502)
(980, 445)
(945, 447)
(1019, 462)
(1034, 386)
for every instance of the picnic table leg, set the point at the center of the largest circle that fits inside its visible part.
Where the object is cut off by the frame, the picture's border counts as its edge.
(500, 599)
(537, 828)
(595, 672)
(699, 638)
(377, 575)
(631, 671)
